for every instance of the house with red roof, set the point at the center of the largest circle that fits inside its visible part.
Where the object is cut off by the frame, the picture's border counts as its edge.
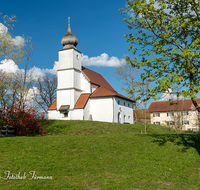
(83, 94)
(177, 114)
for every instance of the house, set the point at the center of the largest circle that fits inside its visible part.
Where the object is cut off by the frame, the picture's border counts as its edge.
(83, 94)
(180, 114)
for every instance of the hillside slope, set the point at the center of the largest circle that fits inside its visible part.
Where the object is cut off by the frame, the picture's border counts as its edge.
(98, 155)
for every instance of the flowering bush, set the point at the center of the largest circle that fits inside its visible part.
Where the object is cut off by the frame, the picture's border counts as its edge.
(26, 121)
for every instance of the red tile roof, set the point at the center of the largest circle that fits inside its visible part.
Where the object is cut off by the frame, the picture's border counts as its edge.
(80, 104)
(104, 92)
(165, 106)
(53, 106)
(141, 113)
(124, 97)
(97, 79)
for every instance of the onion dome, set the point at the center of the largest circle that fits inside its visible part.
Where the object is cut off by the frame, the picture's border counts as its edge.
(69, 41)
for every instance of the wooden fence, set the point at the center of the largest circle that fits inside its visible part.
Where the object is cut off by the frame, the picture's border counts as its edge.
(6, 131)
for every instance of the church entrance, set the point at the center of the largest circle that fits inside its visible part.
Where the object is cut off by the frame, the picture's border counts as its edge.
(119, 117)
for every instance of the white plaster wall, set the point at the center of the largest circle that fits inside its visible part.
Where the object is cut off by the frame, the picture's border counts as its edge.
(191, 117)
(101, 109)
(68, 59)
(77, 60)
(65, 79)
(77, 114)
(69, 79)
(65, 58)
(53, 114)
(64, 97)
(76, 97)
(125, 110)
(94, 87)
(77, 79)
(67, 97)
(86, 112)
(85, 84)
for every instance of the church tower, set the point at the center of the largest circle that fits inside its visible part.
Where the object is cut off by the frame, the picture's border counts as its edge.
(69, 74)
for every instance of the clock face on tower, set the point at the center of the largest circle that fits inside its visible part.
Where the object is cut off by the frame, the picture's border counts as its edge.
(77, 57)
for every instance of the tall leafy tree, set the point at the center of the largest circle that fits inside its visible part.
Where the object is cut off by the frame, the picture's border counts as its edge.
(166, 40)
(14, 48)
(11, 47)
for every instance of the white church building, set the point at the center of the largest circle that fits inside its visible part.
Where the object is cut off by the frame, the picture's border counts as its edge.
(83, 94)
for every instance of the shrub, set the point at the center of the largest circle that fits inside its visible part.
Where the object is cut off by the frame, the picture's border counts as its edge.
(26, 121)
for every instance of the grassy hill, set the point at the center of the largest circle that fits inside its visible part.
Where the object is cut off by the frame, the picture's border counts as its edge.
(98, 155)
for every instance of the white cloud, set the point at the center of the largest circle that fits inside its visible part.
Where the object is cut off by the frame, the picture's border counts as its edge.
(8, 66)
(31, 93)
(18, 40)
(54, 70)
(3, 29)
(169, 95)
(102, 60)
(29, 96)
(36, 72)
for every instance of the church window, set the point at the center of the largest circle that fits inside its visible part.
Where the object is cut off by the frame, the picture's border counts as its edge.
(118, 102)
(65, 114)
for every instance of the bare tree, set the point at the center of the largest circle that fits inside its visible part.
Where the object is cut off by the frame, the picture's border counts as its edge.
(132, 84)
(128, 76)
(4, 84)
(15, 86)
(25, 78)
(45, 91)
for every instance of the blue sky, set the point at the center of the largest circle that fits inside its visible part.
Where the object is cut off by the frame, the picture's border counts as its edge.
(97, 24)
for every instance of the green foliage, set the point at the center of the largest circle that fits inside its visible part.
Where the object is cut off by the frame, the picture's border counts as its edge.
(11, 47)
(96, 155)
(165, 38)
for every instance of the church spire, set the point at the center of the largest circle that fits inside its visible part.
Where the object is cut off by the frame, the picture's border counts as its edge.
(69, 41)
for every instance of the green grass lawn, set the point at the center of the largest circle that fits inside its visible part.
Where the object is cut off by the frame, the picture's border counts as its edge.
(98, 155)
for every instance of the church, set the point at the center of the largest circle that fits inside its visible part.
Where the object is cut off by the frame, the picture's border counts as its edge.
(83, 94)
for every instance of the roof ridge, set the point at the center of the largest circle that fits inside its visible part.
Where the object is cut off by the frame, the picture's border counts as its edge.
(91, 70)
